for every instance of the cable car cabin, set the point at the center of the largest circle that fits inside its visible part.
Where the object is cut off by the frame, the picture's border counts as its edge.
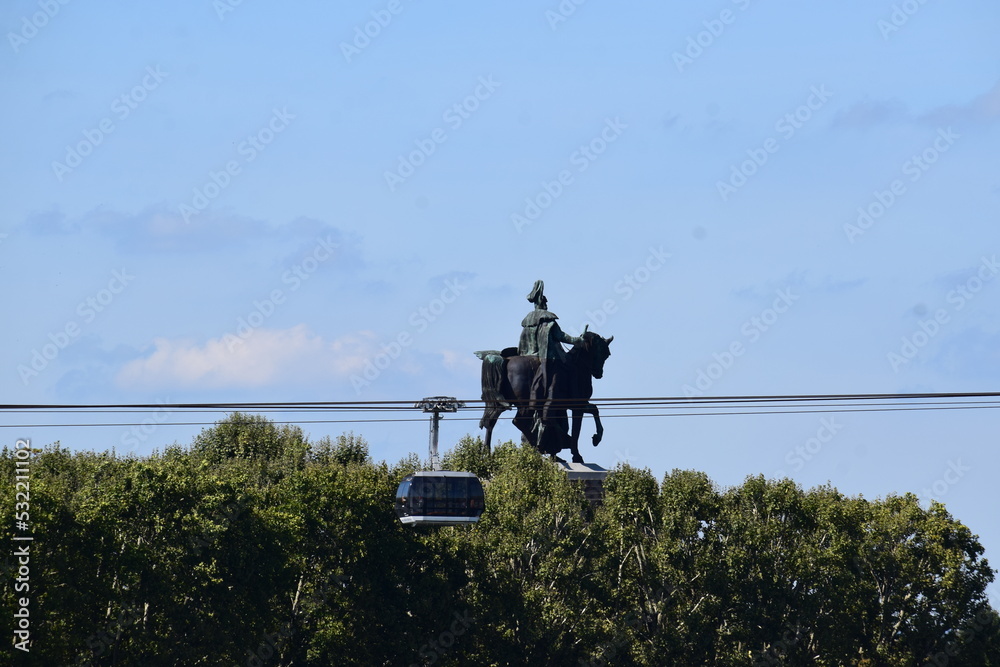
(439, 498)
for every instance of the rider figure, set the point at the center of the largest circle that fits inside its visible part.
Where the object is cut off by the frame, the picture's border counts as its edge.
(541, 337)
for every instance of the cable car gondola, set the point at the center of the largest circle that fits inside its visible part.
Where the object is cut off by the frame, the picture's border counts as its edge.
(439, 498)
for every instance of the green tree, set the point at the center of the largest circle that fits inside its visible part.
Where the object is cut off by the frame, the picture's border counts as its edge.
(242, 436)
(254, 546)
(533, 563)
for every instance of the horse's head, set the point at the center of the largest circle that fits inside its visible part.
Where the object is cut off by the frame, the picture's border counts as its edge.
(596, 351)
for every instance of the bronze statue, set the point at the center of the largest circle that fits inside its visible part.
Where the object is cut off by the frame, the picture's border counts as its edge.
(541, 337)
(540, 331)
(542, 381)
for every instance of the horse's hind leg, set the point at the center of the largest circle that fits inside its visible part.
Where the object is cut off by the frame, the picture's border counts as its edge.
(488, 422)
(524, 421)
(490, 416)
(577, 423)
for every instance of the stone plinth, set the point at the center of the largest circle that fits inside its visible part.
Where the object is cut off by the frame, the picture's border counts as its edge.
(590, 476)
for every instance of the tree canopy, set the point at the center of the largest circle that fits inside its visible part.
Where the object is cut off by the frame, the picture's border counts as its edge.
(254, 546)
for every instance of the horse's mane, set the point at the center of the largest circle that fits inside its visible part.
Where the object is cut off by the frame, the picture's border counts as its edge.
(582, 348)
(588, 340)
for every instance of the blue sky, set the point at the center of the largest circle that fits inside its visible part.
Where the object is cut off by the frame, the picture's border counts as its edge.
(251, 202)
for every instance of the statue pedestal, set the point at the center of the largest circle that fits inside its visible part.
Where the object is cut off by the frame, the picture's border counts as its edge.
(590, 476)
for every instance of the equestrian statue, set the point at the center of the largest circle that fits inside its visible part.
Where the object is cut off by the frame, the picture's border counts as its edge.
(543, 382)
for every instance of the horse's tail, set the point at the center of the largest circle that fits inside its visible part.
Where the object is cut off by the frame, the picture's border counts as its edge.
(494, 368)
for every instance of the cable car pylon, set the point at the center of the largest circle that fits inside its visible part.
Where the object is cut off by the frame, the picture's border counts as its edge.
(436, 405)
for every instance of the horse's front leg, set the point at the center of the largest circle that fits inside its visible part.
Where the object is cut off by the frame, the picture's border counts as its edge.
(574, 439)
(592, 409)
(577, 426)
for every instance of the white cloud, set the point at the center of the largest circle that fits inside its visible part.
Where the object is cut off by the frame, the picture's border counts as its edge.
(461, 361)
(984, 108)
(869, 113)
(266, 357)
(161, 229)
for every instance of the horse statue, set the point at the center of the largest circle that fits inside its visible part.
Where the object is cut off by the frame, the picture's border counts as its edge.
(507, 380)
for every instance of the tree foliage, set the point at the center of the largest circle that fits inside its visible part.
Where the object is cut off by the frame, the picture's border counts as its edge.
(254, 546)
